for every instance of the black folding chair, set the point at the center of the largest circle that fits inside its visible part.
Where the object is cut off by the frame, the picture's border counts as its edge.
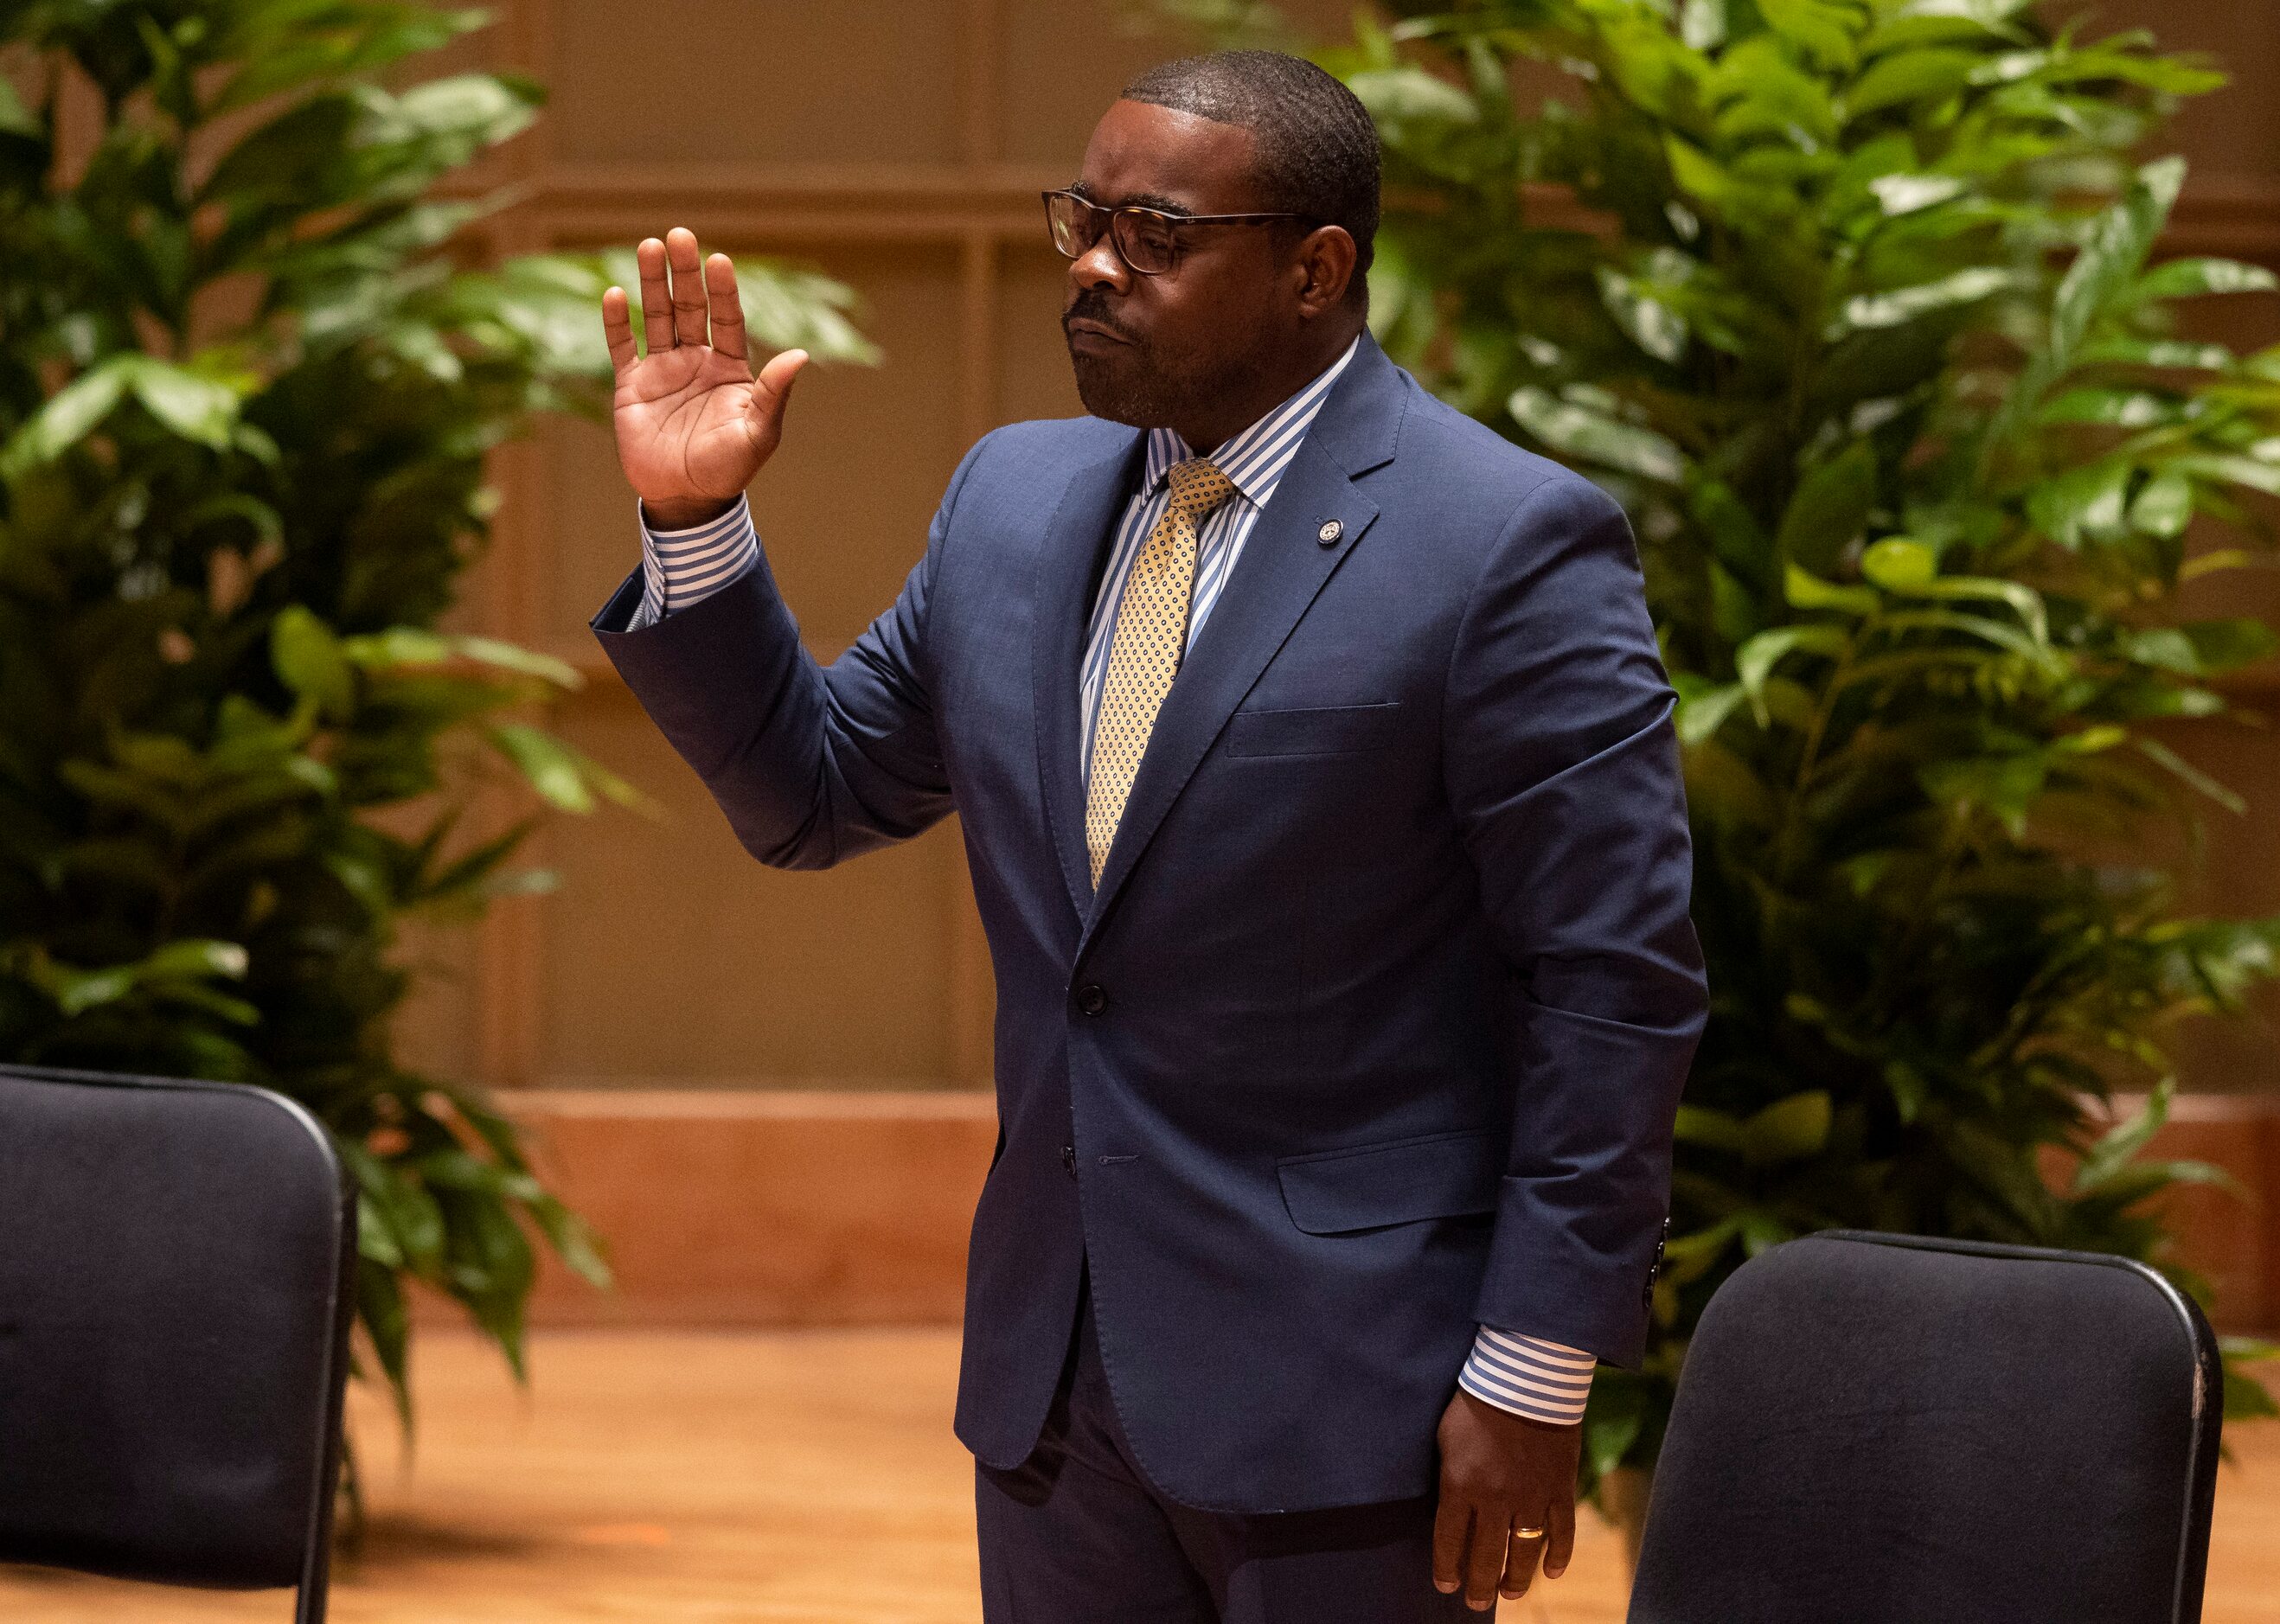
(1881, 1429)
(175, 1268)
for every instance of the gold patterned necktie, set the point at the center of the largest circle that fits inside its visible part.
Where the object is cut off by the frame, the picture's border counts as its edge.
(1143, 656)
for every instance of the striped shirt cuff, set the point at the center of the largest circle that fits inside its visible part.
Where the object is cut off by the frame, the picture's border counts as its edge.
(1543, 1381)
(684, 567)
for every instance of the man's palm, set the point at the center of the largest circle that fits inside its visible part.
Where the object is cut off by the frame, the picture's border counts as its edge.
(693, 423)
(684, 425)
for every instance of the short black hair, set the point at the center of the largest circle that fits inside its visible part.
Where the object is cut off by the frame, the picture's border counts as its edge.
(1317, 150)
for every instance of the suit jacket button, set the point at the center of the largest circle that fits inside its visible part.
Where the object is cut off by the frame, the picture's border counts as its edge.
(1091, 998)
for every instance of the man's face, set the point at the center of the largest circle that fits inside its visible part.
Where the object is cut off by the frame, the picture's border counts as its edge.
(1151, 351)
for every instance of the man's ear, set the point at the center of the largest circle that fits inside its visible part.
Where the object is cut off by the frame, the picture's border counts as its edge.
(1327, 256)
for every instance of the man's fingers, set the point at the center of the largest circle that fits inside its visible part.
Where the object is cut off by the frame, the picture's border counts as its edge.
(1519, 1565)
(1485, 1563)
(1561, 1544)
(656, 304)
(688, 285)
(618, 329)
(726, 310)
(1451, 1520)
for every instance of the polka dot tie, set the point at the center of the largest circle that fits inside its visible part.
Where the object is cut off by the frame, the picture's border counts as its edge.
(1152, 635)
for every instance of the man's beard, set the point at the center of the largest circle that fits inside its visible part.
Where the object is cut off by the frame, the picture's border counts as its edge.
(1134, 384)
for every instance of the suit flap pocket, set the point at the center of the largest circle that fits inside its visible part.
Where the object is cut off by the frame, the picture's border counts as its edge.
(1445, 1176)
(1322, 730)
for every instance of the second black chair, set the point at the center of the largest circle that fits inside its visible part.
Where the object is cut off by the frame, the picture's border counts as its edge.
(1879, 1429)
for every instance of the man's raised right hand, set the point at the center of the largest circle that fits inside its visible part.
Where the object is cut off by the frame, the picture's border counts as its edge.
(693, 424)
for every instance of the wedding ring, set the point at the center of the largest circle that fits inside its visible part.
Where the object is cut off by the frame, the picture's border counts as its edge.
(1527, 1534)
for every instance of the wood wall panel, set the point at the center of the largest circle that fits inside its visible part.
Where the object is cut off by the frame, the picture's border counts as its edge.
(436, 1030)
(1034, 379)
(847, 500)
(2232, 136)
(777, 1208)
(851, 81)
(671, 957)
(2235, 874)
(581, 514)
(1066, 61)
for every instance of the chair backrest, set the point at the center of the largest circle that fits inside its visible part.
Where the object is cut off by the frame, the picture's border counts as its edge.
(1888, 1430)
(175, 1268)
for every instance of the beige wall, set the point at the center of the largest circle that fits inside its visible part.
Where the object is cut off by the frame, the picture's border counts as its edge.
(899, 145)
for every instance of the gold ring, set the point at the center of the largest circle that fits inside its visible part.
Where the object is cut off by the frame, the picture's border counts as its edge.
(1527, 1534)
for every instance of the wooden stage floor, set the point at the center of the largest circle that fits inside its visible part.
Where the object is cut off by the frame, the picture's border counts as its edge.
(792, 1477)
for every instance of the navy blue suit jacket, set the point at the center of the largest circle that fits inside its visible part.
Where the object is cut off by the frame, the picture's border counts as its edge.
(1376, 1025)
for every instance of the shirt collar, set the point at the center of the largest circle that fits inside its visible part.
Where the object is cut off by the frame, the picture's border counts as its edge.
(1254, 460)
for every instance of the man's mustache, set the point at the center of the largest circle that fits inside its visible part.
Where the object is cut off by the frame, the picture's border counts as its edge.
(1092, 305)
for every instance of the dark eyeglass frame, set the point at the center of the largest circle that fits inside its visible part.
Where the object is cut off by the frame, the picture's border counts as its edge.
(1121, 213)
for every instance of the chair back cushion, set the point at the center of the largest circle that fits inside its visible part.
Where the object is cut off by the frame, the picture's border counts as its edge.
(1884, 1430)
(172, 1327)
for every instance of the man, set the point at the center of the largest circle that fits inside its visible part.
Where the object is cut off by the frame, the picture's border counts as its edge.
(1316, 770)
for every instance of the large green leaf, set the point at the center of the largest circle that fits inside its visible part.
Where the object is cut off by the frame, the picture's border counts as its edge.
(1653, 325)
(483, 108)
(66, 418)
(1704, 707)
(1592, 436)
(1755, 661)
(1828, 510)
(2164, 506)
(309, 660)
(2180, 279)
(2083, 504)
(1897, 305)
(1930, 75)
(269, 48)
(1788, 1130)
(1828, 32)
(2109, 260)
(1806, 591)
(194, 405)
(15, 117)
(552, 768)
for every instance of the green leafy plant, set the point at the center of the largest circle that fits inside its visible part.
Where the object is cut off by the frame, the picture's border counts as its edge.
(246, 393)
(1852, 303)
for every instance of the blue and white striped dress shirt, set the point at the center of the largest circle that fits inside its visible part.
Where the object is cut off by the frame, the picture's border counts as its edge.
(1253, 462)
(1527, 1375)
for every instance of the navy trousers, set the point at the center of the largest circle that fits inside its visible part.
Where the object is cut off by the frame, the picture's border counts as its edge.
(1076, 1533)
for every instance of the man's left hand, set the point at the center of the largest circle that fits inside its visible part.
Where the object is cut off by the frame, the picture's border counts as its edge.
(1502, 1473)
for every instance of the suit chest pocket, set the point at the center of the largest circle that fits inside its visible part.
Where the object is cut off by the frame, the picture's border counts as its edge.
(1321, 730)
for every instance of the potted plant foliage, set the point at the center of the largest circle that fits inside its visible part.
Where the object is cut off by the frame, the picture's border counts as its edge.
(246, 395)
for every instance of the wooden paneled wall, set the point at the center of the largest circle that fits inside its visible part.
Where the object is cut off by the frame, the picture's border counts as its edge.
(899, 144)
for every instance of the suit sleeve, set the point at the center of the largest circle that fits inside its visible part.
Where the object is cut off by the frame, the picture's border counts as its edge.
(812, 764)
(1563, 769)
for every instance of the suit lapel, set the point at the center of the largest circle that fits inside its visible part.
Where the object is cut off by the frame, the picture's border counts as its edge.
(1068, 552)
(1285, 564)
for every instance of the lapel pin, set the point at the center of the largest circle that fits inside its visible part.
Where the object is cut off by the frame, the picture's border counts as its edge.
(1330, 532)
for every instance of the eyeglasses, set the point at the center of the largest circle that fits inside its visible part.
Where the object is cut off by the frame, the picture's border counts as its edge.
(1147, 240)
